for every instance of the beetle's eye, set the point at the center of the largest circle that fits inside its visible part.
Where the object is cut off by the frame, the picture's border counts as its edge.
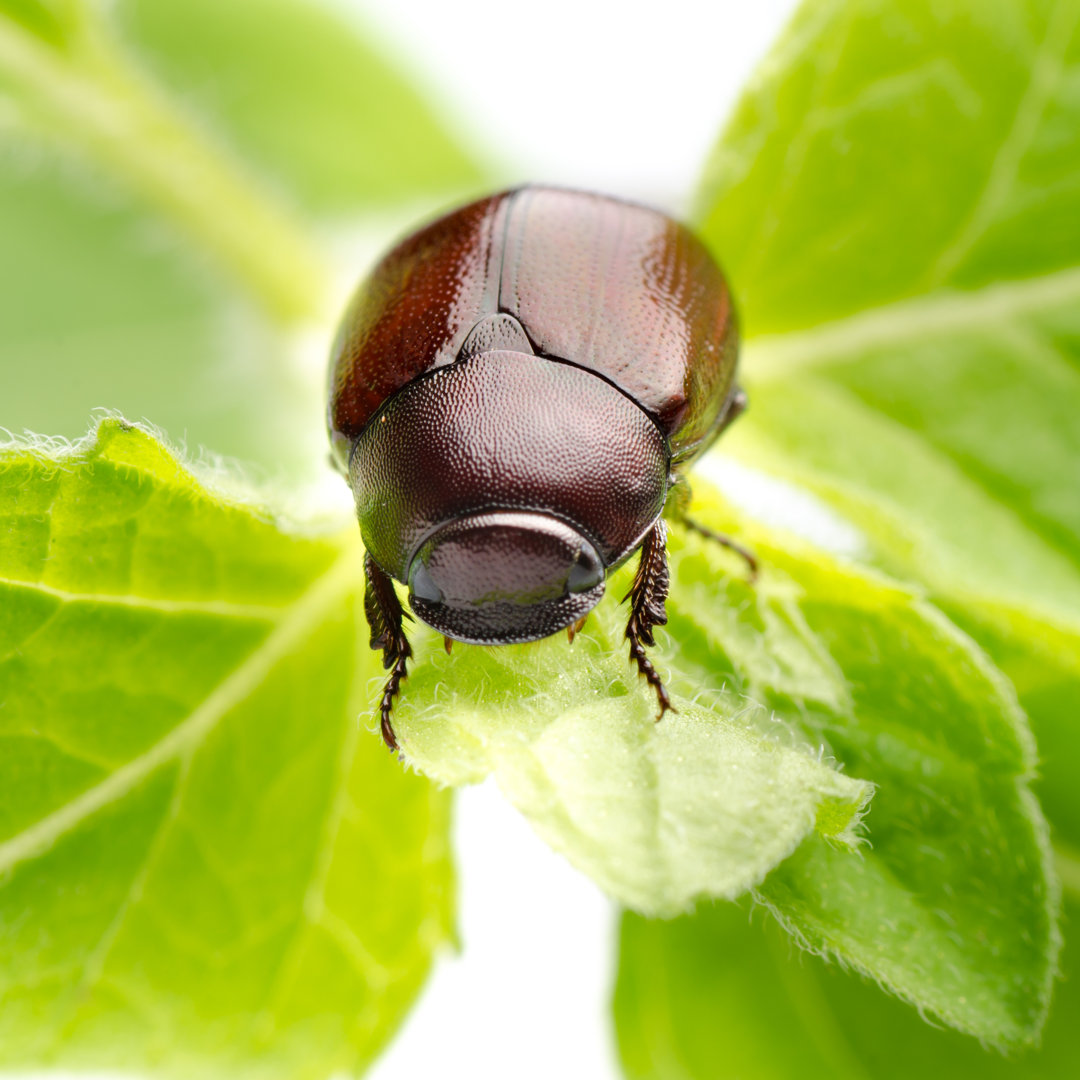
(586, 572)
(423, 584)
(504, 576)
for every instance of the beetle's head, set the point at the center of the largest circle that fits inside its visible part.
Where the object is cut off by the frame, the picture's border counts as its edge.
(503, 577)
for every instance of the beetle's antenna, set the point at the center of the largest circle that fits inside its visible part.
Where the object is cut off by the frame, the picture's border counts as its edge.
(724, 540)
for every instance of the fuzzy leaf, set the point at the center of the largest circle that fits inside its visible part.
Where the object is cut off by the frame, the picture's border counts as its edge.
(952, 904)
(206, 866)
(704, 803)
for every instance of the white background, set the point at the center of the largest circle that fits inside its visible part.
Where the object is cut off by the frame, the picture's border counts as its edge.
(624, 98)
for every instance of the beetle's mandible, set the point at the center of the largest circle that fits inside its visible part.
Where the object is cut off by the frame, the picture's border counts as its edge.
(514, 392)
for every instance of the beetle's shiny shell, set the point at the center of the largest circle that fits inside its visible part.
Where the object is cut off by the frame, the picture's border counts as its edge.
(609, 286)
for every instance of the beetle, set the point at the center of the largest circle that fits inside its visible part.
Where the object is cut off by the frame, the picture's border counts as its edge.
(515, 391)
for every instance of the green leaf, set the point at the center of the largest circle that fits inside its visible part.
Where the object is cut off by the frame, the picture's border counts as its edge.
(703, 804)
(952, 904)
(298, 92)
(897, 199)
(206, 866)
(1043, 662)
(709, 801)
(903, 151)
(720, 995)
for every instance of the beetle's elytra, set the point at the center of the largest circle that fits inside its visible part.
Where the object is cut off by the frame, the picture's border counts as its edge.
(514, 391)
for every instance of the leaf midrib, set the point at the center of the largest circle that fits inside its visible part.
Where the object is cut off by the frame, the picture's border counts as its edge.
(225, 608)
(322, 595)
(775, 356)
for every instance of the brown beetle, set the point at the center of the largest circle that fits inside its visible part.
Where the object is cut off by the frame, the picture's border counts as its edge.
(514, 391)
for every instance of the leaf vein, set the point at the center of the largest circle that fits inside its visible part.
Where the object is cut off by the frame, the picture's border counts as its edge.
(189, 733)
(1046, 72)
(314, 901)
(94, 966)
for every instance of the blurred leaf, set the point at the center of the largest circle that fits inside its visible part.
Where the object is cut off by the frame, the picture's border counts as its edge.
(53, 21)
(100, 310)
(902, 150)
(104, 173)
(897, 200)
(719, 996)
(297, 91)
(206, 867)
(93, 103)
(951, 905)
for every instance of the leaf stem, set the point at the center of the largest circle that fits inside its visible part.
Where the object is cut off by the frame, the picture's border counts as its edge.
(90, 92)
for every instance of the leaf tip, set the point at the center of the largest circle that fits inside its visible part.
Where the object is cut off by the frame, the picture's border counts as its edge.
(840, 818)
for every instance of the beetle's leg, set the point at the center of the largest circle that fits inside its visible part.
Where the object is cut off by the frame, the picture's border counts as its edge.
(647, 596)
(384, 616)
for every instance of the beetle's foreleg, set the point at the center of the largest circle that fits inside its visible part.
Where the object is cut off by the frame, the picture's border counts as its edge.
(385, 617)
(647, 596)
